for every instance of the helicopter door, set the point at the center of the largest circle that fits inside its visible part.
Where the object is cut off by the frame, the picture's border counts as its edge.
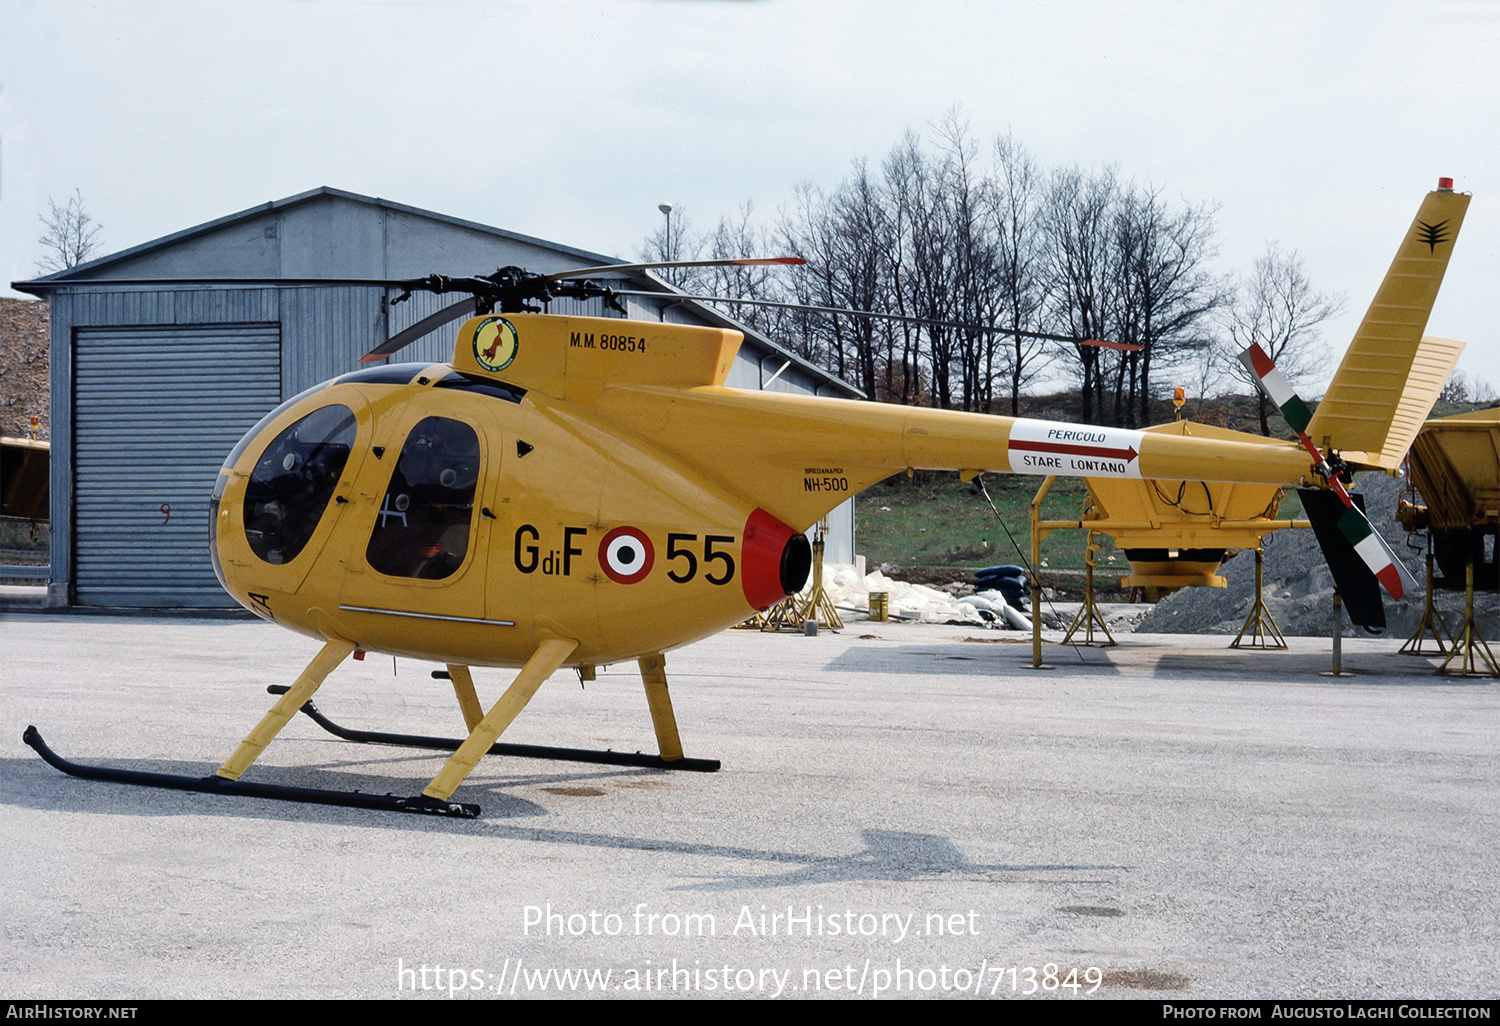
(423, 548)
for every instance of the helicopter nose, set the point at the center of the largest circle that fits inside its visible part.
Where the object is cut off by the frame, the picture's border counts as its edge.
(776, 558)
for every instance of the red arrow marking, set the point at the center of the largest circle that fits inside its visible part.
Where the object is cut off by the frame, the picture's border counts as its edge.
(1077, 450)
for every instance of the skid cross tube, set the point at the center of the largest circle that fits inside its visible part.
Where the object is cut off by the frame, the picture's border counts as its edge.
(213, 784)
(448, 744)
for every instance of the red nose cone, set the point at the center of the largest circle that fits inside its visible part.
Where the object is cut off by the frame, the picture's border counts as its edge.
(775, 560)
(1445, 183)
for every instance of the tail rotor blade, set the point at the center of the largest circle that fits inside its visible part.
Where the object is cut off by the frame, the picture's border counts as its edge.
(1376, 553)
(1372, 549)
(1277, 389)
(1408, 581)
(427, 325)
(1355, 580)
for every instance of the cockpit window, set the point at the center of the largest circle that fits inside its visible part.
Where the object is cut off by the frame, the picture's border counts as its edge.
(422, 529)
(293, 481)
(261, 425)
(482, 386)
(385, 374)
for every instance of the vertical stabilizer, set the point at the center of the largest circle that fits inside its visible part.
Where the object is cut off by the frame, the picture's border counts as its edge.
(1366, 393)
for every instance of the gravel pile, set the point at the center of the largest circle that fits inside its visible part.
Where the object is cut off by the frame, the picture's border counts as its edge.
(1298, 586)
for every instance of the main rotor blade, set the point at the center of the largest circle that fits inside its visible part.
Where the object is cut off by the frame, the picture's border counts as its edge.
(724, 262)
(426, 325)
(374, 283)
(1128, 346)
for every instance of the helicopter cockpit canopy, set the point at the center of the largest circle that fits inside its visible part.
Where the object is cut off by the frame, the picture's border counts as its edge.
(293, 482)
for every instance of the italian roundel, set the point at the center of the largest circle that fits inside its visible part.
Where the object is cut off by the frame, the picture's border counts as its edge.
(495, 343)
(626, 555)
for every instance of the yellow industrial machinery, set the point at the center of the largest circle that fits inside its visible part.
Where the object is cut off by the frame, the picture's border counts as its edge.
(1089, 615)
(24, 495)
(24, 478)
(818, 607)
(1455, 464)
(1176, 534)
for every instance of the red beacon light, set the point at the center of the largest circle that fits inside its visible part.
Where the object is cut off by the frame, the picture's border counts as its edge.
(1445, 183)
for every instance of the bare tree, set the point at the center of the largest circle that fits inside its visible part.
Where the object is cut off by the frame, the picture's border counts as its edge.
(1461, 388)
(1456, 389)
(1014, 197)
(741, 237)
(1279, 309)
(1077, 217)
(71, 237)
(976, 288)
(847, 240)
(966, 257)
(929, 259)
(1163, 295)
(676, 240)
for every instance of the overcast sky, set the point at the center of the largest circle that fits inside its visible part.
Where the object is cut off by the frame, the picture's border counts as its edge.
(1320, 125)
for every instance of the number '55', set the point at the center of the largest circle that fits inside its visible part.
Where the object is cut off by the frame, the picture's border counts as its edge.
(681, 546)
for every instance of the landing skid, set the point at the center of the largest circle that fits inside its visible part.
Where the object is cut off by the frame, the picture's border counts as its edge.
(219, 785)
(444, 744)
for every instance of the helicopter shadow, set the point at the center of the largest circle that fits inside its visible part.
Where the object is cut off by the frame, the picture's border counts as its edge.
(969, 660)
(897, 856)
(1273, 666)
(887, 856)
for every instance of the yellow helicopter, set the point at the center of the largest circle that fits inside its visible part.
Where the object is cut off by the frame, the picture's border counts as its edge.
(577, 491)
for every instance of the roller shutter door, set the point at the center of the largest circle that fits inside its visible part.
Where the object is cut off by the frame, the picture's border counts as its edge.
(156, 410)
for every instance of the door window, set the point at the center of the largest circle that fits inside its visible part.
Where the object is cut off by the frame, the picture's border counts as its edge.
(422, 529)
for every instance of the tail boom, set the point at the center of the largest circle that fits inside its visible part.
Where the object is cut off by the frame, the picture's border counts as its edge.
(785, 448)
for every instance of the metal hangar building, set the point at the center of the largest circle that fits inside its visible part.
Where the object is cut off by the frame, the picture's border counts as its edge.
(152, 387)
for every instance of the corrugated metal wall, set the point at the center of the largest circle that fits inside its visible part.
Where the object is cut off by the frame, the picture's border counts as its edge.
(324, 332)
(157, 408)
(168, 310)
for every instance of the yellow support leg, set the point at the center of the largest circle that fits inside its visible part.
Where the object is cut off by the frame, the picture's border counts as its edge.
(1432, 621)
(819, 606)
(468, 700)
(1037, 534)
(1260, 625)
(1468, 641)
(547, 658)
(654, 675)
(333, 653)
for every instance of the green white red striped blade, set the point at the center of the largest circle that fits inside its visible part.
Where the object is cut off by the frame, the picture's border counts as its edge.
(1274, 384)
(1376, 553)
(1355, 526)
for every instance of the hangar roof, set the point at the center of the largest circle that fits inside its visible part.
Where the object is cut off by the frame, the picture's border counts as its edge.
(250, 243)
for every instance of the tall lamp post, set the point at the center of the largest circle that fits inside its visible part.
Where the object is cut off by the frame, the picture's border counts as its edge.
(666, 239)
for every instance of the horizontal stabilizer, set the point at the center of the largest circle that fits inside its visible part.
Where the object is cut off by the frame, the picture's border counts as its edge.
(1430, 371)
